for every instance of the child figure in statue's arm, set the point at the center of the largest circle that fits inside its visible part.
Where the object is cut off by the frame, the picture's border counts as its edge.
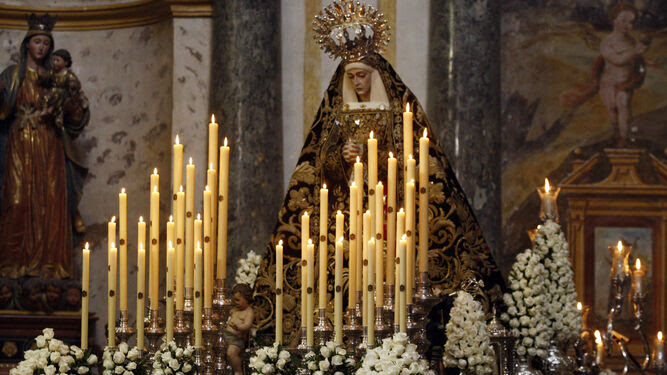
(64, 84)
(240, 322)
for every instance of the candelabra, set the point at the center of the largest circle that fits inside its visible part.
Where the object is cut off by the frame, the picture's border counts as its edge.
(382, 329)
(323, 330)
(425, 300)
(303, 343)
(181, 330)
(188, 308)
(153, 332)
(222, 304)
(209, 331)
(352, 329)
(389, 304)
(124, 331)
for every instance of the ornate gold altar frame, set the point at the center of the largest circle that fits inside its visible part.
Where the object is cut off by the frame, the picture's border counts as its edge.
(624, 188)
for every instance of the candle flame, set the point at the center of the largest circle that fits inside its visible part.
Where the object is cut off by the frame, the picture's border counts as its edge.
(305, 213)
(207, 188)
(371, 136)
(425, 134)
(190, 162)
(210, 166)
(87, 247)
(198, 216)
(659, 335)
(141, 219)
(404, 237)
(353, 184)
(546, 185)
(280, 243)
(412, 181)
(407, 107)
(341, 238)
(113, 245)
(180, 189)
(171, 245)
(401, 210)
(155, 171)
(141, 246)
(171, 218)
(368, 212)
(113, 219)
(199, 245)
(379, 183)
(324, 186)
(310, 242)
(212, 118)
(122, 190)
(391, 155)
(598, 338)
(638, 264)
(177, 141)
(358, 160)
(619, 246)
(579, 307)
(155, 189)
(410, 157)
(372, 240)
(339, 212)
(225, 142)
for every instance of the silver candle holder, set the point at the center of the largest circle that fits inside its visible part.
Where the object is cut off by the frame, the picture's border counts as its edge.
(188, 308)
(323, 330)
(182, 333)
(153, 332)
(389, 304)
(222, 304)
(382, 329)
(124, 331)
(209, 332)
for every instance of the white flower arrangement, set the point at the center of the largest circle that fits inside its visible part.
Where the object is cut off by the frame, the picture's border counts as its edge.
(246, 273)
(172, 359)
(272, 359)
(468, 345)
(54, 356)
(564, 318)
(122, 360)
(395, 356)
(525, 303)
(329, 359)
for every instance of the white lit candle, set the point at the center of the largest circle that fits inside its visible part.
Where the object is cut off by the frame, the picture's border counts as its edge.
(111, 279)
(208, 258)
(305, 231)
(189, 223)
(122, 247)
(310, 259)
(352, 266)
(197, 274)
(85, 295)
(370, 304)
(223, 208)
(407, 132)
(391, 219)
(323, 250)
(639, 279)
(171, 254)
(180, 248)
(279, 292)
(401, 308)
(423, 203)
(379, 244)
(141, 280)
(599, 348)
(177, 167)
(338, 293)
(154, 246)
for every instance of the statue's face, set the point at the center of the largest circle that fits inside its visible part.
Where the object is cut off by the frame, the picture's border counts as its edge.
(362, 81)
(624, 21)
(58, 63)
(38, 47)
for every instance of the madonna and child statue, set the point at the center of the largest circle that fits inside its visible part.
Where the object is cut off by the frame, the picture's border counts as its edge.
(366, 94)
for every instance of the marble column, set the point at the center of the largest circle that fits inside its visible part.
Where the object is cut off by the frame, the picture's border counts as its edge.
(464, 101)
(246, 90)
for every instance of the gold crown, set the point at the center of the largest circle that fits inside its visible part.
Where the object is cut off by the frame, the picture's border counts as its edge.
(351, 30)
(41, 23)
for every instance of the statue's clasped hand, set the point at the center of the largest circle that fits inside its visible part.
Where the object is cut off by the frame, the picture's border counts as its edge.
(351, 150)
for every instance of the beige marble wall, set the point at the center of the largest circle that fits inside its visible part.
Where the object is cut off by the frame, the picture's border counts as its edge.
(61, 3)
(127, 76)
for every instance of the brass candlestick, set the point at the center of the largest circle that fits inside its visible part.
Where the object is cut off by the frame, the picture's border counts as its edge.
(181, 330)
(124, 331)
(222, 304)
(323, 330)
(209, 332)
(153, 332)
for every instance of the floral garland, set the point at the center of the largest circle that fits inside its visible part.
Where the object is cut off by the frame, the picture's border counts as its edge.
(52, 355)
(172, 359)
(395, 356)
(330, 359)
(123, 360)
(525, 305)
(561, 302)
(246, 273)
(468, 344)
(272, 359)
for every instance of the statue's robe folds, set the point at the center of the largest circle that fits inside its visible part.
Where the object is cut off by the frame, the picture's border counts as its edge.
(457, 249)
(41, 178)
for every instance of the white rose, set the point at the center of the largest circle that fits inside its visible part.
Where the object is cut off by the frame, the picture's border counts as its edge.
(92, 359)
(108, 364)
(166, 357)
(133, 354)
(48, 333)
(324, 365)
(179, 352)
(281, 363)
(131, 366)
(83, 370)
(337, 360)
(173, 363)
(325, 351)
(186, 368)
(123, 347)
(284, 354)
(267, 369)
(50, 370)
(119, 370)
(55, 357)
(63, 368)
(118, 357)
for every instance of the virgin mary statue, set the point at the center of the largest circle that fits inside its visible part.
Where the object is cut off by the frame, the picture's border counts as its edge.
(365, 94)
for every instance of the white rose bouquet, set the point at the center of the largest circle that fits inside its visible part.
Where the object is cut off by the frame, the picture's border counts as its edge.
(330, 359)
(122, 360)
(172, 359)
(272, 359)
(526, 305)
(561, 299)
(395, 356)
(246, 273)
(54, 356)
(468, 345)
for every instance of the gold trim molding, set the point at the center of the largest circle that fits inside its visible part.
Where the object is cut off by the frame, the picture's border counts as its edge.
(108, 16)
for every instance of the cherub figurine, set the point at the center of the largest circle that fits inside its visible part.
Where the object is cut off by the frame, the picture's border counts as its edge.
(240, 322)
(63, 84)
